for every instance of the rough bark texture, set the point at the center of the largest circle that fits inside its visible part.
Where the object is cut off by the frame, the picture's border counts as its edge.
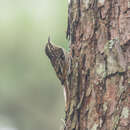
(96, 71)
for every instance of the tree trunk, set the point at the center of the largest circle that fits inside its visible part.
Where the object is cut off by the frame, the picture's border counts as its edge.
(96, 71)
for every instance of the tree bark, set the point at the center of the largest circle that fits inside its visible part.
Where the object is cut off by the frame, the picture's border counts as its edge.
(95, 72)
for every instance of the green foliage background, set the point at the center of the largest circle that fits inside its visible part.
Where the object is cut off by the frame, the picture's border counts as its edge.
(31, 97)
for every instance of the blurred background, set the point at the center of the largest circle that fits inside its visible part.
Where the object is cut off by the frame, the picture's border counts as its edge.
(31, 96)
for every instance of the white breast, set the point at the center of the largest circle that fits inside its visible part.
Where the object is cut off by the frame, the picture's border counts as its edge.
(65, 95)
